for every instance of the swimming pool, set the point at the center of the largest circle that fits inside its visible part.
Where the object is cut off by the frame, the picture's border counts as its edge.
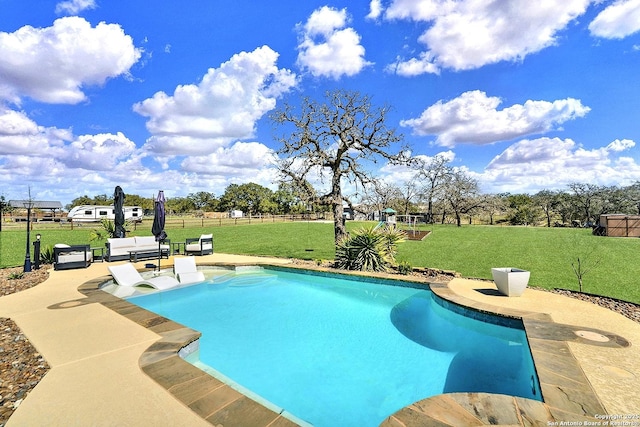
(328, 349)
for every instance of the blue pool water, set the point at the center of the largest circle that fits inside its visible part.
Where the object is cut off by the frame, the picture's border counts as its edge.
(333, 351)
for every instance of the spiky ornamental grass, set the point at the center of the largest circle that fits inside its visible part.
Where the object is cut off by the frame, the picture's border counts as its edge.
(369, 249)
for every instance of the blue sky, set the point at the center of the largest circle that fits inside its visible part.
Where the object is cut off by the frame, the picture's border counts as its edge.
(175, 96)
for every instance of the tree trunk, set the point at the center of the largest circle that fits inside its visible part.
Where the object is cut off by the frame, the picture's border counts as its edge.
(339, 228)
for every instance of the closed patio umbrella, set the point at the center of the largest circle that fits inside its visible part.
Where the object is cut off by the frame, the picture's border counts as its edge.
(157, 229)
(118, 210)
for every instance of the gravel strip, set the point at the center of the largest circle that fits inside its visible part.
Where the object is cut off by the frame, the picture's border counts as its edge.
(21, 366)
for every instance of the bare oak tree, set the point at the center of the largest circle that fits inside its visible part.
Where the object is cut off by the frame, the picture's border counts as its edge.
(462, 194)
(433, 173)
(379, 195)
(334, 139)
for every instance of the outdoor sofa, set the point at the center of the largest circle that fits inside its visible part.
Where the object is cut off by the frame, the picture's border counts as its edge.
(66, 257)
(135, 248)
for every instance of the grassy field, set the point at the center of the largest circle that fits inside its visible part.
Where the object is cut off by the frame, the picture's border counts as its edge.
(470, 250)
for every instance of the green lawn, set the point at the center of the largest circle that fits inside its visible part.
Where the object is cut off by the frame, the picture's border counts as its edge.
(470, 250)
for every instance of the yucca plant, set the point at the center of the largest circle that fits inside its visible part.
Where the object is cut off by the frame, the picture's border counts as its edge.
(108, 230)
(365, 249)
(392, 237)
(46, 255)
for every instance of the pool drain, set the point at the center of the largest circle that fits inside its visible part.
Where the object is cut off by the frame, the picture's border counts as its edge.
(592, 336)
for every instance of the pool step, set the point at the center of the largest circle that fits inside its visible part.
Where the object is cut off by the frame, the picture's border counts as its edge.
(244, 280)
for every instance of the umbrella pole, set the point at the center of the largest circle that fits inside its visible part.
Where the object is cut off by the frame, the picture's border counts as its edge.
(159, 256)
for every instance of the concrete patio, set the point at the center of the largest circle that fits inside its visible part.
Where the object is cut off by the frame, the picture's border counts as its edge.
(112, 364)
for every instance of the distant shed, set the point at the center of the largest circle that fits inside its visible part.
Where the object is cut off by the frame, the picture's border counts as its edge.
(51, 206)
(620, 225)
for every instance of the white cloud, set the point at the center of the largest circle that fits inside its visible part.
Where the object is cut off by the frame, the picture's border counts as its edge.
(621, 145)
(52, 158)
(469, 34)
(102, 152)
(414, 66)
(618, 20)
(19, 135)
(224, 106)
(241, 160)
(73, 7)
(76, 55)
(552, 163)
(375, 9)
(327, 48)
(474, 118)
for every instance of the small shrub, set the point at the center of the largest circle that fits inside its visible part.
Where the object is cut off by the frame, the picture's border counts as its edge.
(14, 276)
(318, 262)
(404, 268)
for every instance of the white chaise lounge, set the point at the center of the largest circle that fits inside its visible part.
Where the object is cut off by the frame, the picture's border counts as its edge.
(127, 275)
(185, 270)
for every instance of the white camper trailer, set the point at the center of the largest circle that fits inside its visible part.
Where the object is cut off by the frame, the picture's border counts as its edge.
(92, 213)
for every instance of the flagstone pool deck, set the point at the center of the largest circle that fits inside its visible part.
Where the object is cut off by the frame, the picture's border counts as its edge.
(113, 363)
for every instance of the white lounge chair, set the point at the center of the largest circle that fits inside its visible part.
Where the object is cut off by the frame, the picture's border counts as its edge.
(202, 245)
(127, 275)
(185, 270)
(66, 257)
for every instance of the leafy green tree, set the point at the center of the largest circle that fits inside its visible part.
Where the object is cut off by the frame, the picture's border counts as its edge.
(286, 202)
(205, 201)
(180, 205)
(79, 201)
(336, 139)
(522, 209)
(4, 207)
(249, 198)
(102, 199)
(293, 198)
(145, 203)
